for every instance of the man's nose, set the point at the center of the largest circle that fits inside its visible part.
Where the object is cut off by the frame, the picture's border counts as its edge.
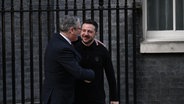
(86, 33)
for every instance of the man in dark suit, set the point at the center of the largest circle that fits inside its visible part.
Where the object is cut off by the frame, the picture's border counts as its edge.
(61, 64)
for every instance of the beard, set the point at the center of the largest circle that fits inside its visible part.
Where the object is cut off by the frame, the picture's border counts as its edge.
(88, 42)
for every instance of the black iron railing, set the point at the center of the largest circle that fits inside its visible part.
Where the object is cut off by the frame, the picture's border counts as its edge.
(26, 28)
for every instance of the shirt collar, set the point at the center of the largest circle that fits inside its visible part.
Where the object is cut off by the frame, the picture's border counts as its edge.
(66, 38)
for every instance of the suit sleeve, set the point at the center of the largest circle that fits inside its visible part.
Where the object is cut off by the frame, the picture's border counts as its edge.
(68, 60)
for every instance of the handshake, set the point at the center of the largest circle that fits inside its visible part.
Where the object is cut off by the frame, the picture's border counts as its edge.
(87, 81)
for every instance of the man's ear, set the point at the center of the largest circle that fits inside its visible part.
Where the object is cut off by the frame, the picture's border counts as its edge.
(71, 30)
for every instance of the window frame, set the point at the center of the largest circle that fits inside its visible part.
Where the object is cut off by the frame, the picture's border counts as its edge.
(161, 41)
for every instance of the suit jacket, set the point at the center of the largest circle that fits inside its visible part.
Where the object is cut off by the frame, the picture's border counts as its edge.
(61, 71)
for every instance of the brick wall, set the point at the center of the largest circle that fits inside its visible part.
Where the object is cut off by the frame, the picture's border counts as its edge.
(160, 79)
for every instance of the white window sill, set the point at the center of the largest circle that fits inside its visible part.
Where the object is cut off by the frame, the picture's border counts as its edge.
(162, 47)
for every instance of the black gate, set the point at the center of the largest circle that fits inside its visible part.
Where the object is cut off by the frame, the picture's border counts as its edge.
(26, 26)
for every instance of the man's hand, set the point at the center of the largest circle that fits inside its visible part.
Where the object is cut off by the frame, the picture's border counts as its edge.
(99, 42)
(114, 102)
(86, 81)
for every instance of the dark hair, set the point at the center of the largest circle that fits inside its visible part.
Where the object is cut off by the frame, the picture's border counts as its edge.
(89, 21)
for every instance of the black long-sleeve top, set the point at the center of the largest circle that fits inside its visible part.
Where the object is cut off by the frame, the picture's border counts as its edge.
(95, 57)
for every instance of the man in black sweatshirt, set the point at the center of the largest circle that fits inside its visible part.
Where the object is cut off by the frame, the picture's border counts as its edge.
(97, 58)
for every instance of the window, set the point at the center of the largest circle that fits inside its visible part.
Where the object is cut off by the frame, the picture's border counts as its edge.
(163, 23)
